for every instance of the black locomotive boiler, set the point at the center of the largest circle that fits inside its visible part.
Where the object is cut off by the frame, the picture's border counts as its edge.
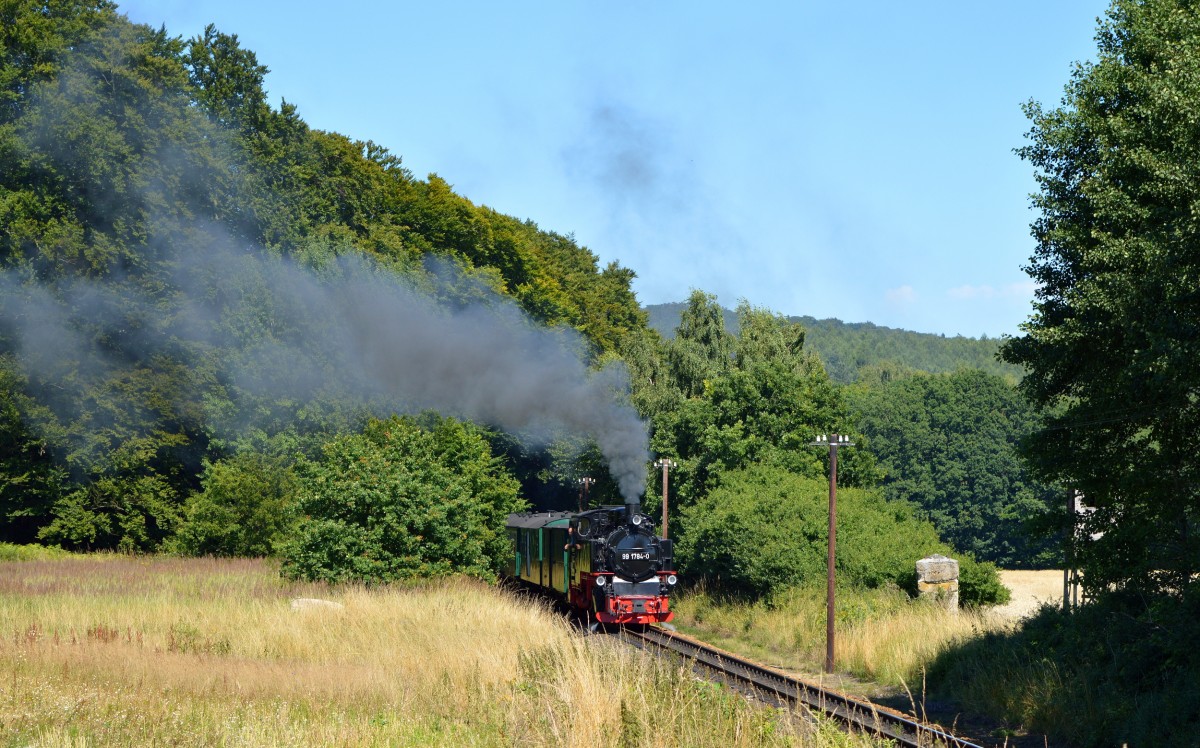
(606, 562)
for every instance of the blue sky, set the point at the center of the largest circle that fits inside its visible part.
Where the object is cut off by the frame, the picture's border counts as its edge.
(837, 160)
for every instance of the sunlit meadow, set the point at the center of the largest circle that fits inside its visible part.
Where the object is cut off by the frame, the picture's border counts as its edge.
(117, 650)
(882, 635)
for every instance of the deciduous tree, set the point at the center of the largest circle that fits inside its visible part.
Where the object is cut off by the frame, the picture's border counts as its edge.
(400, 500)
(1115, 335)
(947, 443)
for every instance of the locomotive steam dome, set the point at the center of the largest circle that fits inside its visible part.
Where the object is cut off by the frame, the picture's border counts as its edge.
(633, 554)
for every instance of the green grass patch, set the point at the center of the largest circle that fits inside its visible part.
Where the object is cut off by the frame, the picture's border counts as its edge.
(13, 552)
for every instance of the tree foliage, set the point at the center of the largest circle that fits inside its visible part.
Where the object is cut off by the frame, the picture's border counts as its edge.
(764, 530)
(1113, 344)
(720, 403)
(852, 350)
(246, 507)
(131, 159)
(402, 500)
(29, 478)
(948, 444)
(739, 414)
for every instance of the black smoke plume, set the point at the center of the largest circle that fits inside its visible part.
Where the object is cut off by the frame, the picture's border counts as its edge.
(349, 327)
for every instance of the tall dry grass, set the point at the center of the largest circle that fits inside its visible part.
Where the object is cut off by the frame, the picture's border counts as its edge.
(113, 650)
(881, 635)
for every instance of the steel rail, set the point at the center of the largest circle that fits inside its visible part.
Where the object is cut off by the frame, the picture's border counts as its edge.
(863, 715)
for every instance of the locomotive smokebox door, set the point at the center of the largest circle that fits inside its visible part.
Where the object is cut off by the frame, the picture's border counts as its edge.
(632, 554)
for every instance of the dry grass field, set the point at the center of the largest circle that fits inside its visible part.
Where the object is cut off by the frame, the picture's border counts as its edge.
(883, 637)
(1031, 590)
(120, 651)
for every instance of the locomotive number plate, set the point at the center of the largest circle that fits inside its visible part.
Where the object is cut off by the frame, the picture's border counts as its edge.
(635, 556)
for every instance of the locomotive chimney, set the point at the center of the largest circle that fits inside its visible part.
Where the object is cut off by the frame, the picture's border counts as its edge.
(632, 507)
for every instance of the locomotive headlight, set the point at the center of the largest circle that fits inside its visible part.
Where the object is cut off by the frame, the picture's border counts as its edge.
(671, 579)
(600, 581)
(637, 519)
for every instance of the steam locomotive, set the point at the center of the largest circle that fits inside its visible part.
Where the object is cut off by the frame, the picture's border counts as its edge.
(606, 563)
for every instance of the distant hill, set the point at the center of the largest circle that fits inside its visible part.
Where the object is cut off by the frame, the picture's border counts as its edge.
(848, 347)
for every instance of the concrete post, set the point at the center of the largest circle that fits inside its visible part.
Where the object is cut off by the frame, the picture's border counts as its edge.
(937, 578)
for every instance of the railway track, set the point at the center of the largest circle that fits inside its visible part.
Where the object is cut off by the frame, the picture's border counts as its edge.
(860, 715)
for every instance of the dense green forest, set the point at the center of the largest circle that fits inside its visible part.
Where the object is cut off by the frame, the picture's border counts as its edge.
(851, 350)
(190, 273)
(224, 332)
(948, 444)
(941, 430)
(739, 413)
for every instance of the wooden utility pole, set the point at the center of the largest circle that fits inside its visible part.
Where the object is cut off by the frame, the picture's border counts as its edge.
(832, 441)
(666, 465)
(584, 484)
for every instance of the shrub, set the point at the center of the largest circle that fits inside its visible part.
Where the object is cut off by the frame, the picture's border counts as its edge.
(400, 500)
(764, 530)
(979, 582)
(246, 507)
(131, 513)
